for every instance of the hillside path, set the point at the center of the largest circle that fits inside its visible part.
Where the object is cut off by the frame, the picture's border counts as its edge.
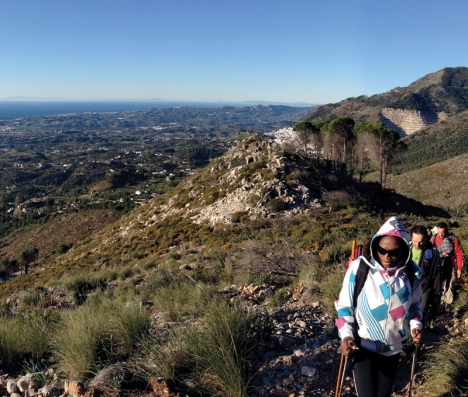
(303, 357)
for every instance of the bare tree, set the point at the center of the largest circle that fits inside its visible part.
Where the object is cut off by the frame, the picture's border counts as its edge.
(331, 146)
(380, 144)
(316, 141)
(303, 131)
(342, 128)
(361, 152)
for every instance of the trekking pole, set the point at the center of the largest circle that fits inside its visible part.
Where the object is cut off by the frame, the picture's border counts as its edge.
(342, 370)
(353, 248)
(413, 366)
(339, 382)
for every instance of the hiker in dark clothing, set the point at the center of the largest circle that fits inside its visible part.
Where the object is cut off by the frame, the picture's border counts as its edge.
(451, 254)
(426, 256)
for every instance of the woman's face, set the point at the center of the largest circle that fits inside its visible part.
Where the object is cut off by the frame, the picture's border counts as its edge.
(389, 251)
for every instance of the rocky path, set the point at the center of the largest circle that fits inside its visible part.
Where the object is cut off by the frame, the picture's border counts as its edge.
(303, 356)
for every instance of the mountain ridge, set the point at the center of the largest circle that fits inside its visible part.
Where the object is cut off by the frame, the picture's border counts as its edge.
(436, 96)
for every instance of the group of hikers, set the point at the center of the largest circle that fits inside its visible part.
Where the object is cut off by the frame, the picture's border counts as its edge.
(390, 295)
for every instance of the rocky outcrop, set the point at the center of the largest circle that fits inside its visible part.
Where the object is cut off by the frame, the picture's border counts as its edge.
(244, 180)
(406, 122)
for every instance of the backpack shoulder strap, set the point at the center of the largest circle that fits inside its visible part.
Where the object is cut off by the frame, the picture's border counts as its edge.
(410, 271)
(361, 276)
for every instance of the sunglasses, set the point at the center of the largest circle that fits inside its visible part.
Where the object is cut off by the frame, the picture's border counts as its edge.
(393, 253)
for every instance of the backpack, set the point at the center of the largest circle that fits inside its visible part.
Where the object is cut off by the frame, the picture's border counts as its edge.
(363, 270)
(435, 268)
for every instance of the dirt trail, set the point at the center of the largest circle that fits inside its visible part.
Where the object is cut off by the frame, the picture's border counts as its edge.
(430, 342)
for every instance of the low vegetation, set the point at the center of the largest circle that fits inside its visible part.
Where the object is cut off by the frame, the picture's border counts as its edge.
(149, 290)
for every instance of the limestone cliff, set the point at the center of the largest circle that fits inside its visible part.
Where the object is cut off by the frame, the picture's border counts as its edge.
(406, 122)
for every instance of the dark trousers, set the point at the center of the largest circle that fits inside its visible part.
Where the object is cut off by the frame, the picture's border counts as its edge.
(430, 306)
(374, 374)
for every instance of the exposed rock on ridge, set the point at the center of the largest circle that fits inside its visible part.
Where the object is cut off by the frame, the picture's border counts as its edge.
(406, 122)
(245, 183)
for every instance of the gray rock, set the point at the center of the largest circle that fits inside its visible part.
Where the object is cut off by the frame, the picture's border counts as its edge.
(308, 371)
(12, 386)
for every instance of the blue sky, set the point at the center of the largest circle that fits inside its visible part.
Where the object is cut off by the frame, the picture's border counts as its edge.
(313, 51)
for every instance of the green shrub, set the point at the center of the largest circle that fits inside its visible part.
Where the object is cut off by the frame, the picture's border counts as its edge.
(37, 333)
(32, 298)
(62, 249)
(126, 272)
(163, 357)
(251, 168)
(214, 197)
(78, 341)
(330, 287)
(184, 299)
(277, 205)
(280, 297)
(239, 216)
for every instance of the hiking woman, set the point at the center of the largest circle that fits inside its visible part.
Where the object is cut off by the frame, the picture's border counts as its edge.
(384, 313)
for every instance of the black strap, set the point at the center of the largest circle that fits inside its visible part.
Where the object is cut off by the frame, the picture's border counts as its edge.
(361, 276)
(410, 272)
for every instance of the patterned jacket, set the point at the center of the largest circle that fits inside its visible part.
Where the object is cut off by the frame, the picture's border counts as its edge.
(387, 307)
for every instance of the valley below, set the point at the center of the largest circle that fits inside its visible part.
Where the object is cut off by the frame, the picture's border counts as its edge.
(188, 252)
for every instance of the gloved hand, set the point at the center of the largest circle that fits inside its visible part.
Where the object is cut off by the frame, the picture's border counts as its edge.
(416, 335)
(348, 347)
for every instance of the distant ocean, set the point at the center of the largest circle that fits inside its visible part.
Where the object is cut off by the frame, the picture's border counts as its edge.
(23, 109)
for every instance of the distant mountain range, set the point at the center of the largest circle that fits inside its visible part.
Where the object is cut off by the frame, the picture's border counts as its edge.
(241, 103)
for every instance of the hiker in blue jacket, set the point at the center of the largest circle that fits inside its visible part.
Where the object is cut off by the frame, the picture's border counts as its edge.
(385, 312)
(426, 256)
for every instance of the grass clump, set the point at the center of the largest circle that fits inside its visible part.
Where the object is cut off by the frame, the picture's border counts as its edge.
(94, 336)
(221, 349)
(211, 357)
(24, 337)
(330, 287)
(446, 369)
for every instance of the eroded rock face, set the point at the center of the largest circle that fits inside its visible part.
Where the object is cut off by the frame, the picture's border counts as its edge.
(406, 122)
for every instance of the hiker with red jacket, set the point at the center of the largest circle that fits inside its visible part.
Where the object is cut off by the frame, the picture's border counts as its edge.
(451, 254)
(385, 313)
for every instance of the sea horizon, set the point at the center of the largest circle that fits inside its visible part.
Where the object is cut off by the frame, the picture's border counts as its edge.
(25, 109)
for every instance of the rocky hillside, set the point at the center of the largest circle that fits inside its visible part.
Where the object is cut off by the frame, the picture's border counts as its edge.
(254, 181)
(405, 110)
(442, 185)
(165, 268)
(438, 142)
